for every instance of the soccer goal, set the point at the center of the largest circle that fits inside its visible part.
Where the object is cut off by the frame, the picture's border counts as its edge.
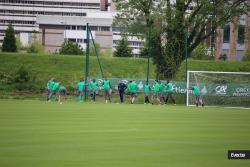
(226, 89)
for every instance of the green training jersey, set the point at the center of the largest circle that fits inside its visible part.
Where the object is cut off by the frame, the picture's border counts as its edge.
(147, 88)
(94, 85)
(61, 87)
(156, 88)
(56, 86)
(132, 87)
(90, 86)
(170, 87)
(164, 89)
(81, 86)
(106, 84)
(196, 90)
(51, 85)
(161, 87)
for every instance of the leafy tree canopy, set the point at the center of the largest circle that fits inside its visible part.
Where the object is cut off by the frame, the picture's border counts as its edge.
(174, 23)
(9, 41)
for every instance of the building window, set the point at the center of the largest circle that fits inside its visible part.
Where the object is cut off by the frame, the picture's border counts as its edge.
(80, 40)
(241, 34)
(94, 28)
(72, 39)
(81, 27)
(105, 29)
(226, 34)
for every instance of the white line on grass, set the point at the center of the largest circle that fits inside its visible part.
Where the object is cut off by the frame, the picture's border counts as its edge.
(109, 130)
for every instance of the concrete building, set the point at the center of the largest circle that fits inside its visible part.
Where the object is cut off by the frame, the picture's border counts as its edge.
(232, 39)
(57, 20)
(54, 30)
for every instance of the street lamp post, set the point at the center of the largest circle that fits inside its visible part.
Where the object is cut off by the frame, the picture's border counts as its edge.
(149, 51)
(186, 61)
(65, 33)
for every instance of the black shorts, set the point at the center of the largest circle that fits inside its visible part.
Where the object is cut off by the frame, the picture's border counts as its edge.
(106, 92)
(132, 94)
(80, 93)
(157, 95)
(170, 93)
(63, 92)
(197, 97)
(49, 91)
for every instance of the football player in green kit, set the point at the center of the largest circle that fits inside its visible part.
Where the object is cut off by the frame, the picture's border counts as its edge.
(198, 99)
(50, 85)
(132, 87)
(161, 92)
(80, 90)
(94, 89)
(147, 91)
(156, 90)
(170, 92)
(107, 90)
(62, 93)
(55, 90)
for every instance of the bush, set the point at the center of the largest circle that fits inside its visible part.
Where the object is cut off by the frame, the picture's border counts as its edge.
(35, 46)
(22, 75)
(144, 52)
(201, 53)
(30, 87)
(6, 78)
(246, 57)
(107, 53)
(18, 43)
(71, 48)
(223, 57)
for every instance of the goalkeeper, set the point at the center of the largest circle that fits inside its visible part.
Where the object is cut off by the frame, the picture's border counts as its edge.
(198, 99)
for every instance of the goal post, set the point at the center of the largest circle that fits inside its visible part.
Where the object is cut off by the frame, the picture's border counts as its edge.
(226, 89)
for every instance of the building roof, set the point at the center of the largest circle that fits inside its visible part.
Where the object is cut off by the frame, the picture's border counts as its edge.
(73, 20)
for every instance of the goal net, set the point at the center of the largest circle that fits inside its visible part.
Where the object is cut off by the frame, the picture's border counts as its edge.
(226, 89)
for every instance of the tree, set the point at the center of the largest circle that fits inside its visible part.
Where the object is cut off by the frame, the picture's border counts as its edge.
(18, 43)
(247, 30)
(122, 49)
(35, 46)
(71, 48)
(9, 41)
(173, 23)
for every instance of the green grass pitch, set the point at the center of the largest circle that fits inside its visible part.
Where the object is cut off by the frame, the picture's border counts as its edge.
(40, 134)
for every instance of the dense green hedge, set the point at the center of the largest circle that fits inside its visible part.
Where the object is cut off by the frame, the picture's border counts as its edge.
(40, 68)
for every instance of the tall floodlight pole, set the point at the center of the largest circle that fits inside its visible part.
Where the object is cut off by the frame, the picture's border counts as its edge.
(186, 51)
(186, 60)
(149, 50)
(87, 63)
